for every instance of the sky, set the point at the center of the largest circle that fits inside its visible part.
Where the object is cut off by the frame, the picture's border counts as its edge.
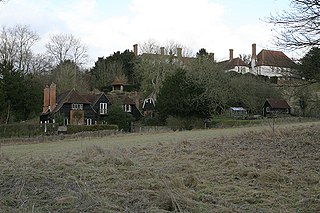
(107, 26)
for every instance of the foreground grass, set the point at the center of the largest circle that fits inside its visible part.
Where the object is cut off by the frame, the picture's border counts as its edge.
(200, 171)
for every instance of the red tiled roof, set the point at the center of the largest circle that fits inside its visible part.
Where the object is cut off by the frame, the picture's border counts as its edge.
(274, 58)
(92, 97)
(117, 82)
(72, 97)
(278, 104)
(231, 64)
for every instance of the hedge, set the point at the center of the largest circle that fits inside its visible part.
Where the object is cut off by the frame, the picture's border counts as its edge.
(26, 130)
(33, 130)
(83, 128)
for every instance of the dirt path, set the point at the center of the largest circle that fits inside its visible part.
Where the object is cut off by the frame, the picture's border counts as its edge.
(136, 139)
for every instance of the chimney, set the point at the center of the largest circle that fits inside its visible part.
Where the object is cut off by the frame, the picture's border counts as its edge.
(135, 49)
(230, 54)
(254, 51)
(179, 52)
(46, 96)
(211, 56)
(162, 50)
(53, 96)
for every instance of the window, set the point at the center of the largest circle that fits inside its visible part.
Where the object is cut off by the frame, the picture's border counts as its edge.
(66, 121)
(103, 108)
(77, 107)
(268, 109)
(127, 108)
(88, 121)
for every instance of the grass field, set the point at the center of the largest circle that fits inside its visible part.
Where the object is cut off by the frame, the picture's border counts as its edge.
(251, 169)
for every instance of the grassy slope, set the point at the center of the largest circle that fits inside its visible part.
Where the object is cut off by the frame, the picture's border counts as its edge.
(195, 171)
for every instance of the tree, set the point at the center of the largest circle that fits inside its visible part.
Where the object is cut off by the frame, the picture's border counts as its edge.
(245, 58)
(251, 92)
(299, 27)
(309, 66)
(119, 117)
(21, 96)
(217, 89)
(202, 53)
(178, 97)
(126, 59)
(116, 66)
(62, 47)
(67, 75)
(16, 46)
(151, 46)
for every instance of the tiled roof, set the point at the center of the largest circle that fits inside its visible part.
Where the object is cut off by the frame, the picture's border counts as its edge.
(120, 98)
(117, 82)
(72, 97)
(92, 97)
(278, 104)
(274, 58)
(231, 64)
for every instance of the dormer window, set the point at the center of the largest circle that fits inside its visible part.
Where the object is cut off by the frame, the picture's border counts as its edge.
(77, 106)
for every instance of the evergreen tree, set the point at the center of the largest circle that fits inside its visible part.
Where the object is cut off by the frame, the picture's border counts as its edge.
(178, 97)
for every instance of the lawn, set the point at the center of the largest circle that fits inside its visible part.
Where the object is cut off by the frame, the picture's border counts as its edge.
(248, 169)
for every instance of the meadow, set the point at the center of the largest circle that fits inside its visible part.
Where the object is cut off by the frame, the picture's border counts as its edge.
(245, 169)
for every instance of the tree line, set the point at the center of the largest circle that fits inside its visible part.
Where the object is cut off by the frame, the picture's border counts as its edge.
(200, 87)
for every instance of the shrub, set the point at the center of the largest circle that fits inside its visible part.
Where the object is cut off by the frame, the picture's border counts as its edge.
(178, 123)
(120, 118)
(27, 130)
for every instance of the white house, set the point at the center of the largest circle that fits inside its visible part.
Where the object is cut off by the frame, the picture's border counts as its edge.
(271, 63)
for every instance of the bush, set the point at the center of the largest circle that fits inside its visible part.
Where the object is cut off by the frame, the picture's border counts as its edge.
(27, 130)
(178, 123)
(229, 122)
(150, 121)
(120, 118)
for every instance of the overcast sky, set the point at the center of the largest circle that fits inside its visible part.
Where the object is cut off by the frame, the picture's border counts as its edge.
(107, 26)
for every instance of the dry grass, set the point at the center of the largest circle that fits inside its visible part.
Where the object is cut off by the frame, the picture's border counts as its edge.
(252, 172)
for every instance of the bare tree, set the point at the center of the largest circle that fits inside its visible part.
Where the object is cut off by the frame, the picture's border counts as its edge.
(16, 46)
(170, 48)
(64, 47)
(300, 26)
(150, 46)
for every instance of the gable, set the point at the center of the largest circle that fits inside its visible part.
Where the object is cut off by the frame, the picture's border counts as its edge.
(70, 97)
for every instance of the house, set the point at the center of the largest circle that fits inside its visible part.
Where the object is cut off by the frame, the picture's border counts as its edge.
(271, 63)
(100, 103)
(276, 107)
(234, 64)
(70, 106)
(128, 101)
(73, 108)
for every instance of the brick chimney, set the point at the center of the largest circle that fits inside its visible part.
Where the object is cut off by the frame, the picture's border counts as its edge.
(46, 96)
(53, 96)
(179, 52)
(162, 50)
(254, 51)
(135, 49)
(230, 54)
